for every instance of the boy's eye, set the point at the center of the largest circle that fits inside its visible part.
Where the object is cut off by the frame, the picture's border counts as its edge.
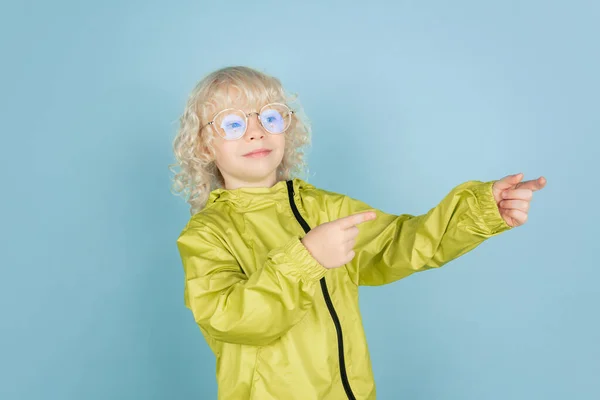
(271, 116)
(232, 124)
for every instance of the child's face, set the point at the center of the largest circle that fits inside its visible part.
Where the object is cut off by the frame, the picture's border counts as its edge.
(242, 170)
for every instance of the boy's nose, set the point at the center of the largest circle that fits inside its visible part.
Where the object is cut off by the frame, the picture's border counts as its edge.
(254, 130)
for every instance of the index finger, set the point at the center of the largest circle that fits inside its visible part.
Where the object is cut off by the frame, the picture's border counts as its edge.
(355, 219)
(534, 185)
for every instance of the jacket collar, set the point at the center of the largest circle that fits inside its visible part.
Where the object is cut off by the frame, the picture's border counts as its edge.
(251, 197)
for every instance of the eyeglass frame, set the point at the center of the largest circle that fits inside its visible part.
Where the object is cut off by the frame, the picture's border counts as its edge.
(246, 115)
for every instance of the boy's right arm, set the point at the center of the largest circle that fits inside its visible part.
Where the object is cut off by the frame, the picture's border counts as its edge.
(235, 308)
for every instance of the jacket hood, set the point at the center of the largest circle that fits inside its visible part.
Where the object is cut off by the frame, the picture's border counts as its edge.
(252, 197)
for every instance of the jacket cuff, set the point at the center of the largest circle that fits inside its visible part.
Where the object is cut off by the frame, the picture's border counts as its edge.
(303, 264)
(490, 214)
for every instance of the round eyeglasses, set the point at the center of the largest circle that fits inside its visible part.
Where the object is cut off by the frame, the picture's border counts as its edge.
(231, 124)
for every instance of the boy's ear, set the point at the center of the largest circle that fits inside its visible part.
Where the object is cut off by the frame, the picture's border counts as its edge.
(209, 153)
(203, 150)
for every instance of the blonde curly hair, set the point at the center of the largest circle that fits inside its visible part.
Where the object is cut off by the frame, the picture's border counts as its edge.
(198, 174)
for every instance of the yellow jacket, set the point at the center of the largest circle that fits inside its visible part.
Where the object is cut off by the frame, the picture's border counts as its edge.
(281, 325)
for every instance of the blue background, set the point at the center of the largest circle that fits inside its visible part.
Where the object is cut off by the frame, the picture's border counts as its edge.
(407, 99)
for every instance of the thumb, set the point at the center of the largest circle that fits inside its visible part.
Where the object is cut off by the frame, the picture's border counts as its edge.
(509, 181)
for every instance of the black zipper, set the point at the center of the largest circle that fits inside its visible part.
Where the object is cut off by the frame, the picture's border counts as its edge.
(336, 320)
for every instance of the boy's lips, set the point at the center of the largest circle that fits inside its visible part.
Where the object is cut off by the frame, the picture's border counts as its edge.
(258, 153)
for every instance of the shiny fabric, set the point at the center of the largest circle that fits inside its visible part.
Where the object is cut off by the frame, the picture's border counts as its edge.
(254, 289)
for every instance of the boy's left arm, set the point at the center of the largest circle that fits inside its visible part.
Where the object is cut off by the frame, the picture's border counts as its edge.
(392, 247)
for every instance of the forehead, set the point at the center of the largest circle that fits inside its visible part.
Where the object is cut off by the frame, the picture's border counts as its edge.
(243, 98)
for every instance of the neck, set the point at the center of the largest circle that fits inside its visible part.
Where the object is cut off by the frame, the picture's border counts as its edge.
(234, 183)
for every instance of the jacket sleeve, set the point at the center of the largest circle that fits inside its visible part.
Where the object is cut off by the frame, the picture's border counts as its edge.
(392, 247)
(232, 307)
